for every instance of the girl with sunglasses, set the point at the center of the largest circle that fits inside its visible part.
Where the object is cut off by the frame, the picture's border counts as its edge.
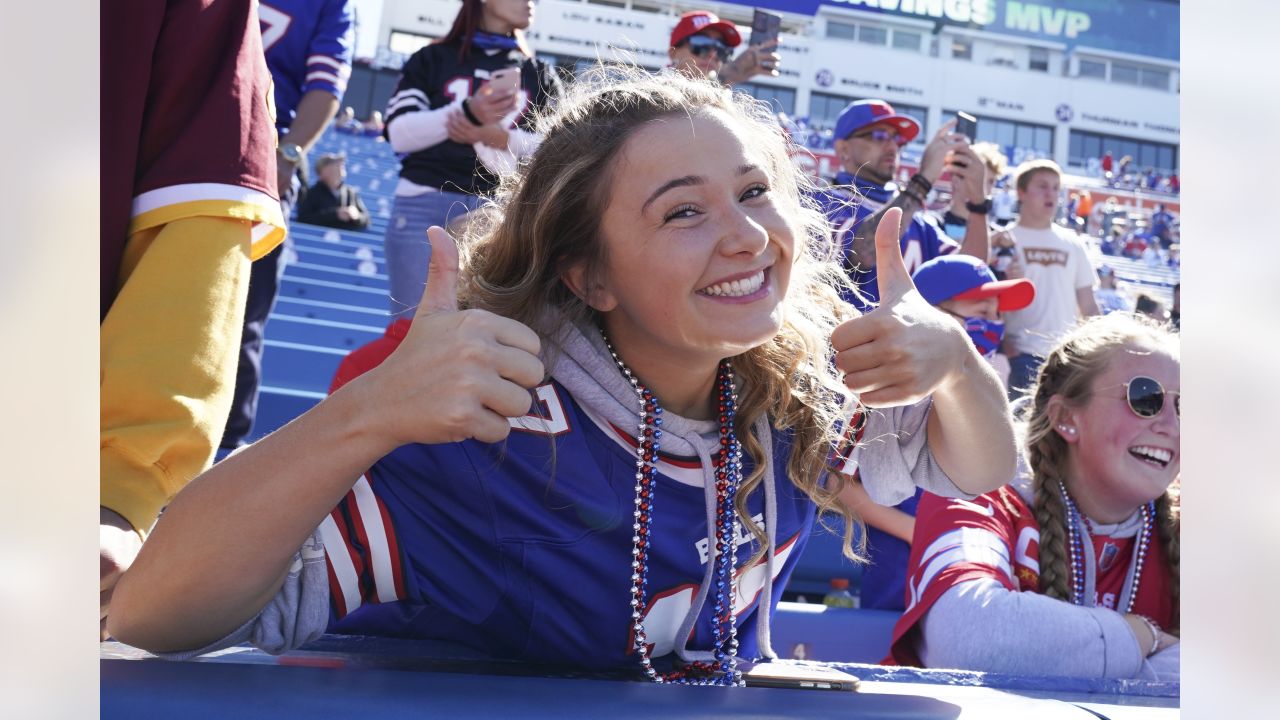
(673, 316)
(1073, 568)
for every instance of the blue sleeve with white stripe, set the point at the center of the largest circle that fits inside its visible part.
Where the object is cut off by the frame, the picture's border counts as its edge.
(331, 50)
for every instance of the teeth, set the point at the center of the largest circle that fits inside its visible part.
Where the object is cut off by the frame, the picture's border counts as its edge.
(736, 288)
(1159, 455)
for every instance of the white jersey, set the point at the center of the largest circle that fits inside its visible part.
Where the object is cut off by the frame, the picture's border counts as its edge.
(1055, 261)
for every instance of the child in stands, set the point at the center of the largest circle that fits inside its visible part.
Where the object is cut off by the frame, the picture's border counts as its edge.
(1073, 569)
(964, 288)
(654, 279)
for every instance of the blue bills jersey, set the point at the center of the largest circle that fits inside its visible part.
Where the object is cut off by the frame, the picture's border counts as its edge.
(845, 209)
(309, 45)
(478, 544)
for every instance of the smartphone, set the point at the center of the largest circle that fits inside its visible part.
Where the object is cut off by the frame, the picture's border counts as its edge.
(798, 677)
(967, 125)
(764, 27)
(505, 80)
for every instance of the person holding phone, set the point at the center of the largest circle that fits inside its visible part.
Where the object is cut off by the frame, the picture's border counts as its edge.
(869, 139)
(460, 115)
(701, 44)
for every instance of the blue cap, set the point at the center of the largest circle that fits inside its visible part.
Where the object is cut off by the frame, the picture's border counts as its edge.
(963, 277)
(863, 113)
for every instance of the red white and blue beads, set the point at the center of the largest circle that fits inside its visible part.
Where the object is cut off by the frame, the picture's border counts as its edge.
(1076, 545)
(728, 475)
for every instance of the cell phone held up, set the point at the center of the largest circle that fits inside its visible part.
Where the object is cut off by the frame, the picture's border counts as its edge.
(765, 27)
(505, 80)
(967, 125)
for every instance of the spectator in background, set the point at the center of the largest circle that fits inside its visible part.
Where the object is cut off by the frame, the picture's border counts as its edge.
(870, 136)
(1054, 259)
(308, 46)
(374, 126)
(1122, 170)
(1073, 568)
(1003, 203)
(1152, 308)
(701, 44)
(1174, 184)
(1162, 225)
(331, 201)
(964, 288)
(454, 142)
(1109, 295)
(1113, 243)
(956, 218)
(346, 121)
(187, 200)
(1084, 211)
(1108, 166)
(1175, 256)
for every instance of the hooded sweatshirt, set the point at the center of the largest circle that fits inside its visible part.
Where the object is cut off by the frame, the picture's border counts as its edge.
(522, 549)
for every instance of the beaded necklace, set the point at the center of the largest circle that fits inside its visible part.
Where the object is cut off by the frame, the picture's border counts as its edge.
(728, 474)
(1076, 543)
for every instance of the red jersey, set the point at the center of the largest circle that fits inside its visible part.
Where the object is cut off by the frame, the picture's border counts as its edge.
(996, 537)
(187, 124)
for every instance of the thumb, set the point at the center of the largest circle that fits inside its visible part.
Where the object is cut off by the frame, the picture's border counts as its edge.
(892, 278)
(441, 294)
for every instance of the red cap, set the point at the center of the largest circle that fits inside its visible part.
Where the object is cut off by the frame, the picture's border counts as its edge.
(692, 23)
(840, 583)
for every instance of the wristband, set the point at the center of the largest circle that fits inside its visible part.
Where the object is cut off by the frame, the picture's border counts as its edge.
(981, 208)
(1155, 633)
(913, 194)
(467, 111)
(924, 183)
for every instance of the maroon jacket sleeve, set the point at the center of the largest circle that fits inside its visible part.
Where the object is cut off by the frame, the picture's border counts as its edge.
(186, 99)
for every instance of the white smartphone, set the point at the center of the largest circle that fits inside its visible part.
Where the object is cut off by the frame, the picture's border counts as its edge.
(505, 80)
(798, 677)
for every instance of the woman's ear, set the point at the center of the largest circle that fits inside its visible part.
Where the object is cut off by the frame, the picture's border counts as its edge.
(1063, 420)
(590, 291)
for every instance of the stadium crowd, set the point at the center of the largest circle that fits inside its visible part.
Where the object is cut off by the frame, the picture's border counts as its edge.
(639, 280)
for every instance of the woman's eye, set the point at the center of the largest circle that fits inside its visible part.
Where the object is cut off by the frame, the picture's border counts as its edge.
(754, 191)
(684, 211)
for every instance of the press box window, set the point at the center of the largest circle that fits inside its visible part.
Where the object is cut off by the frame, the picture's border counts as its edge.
(1093, 69)
(904, 40)
(1039, 60)
(841, 31)
(872, 35)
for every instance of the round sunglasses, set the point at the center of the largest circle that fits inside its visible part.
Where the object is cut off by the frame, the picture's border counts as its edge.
(1146, 397)
(700, 45)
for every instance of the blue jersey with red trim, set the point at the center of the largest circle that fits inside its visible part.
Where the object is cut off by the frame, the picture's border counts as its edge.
(309, 45)
(922, 241)
(476, 544)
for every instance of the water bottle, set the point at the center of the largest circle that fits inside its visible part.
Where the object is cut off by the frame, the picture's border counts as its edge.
(839, 595)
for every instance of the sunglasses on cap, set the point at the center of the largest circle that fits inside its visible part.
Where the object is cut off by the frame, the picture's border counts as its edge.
(879, 135)
(700, 45)
(1146, 397)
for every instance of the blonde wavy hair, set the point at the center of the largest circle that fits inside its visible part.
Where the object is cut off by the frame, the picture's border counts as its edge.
(547, 217)
(1069, 372)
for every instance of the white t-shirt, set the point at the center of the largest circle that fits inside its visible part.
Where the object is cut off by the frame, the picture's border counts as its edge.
(1055, 261)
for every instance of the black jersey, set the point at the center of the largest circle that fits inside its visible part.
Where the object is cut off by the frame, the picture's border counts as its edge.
(433, 78)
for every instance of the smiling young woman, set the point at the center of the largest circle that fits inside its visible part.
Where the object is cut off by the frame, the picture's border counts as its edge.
(1073, 569)
(652, 278)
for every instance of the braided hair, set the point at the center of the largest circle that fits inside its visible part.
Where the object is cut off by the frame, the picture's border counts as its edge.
(1069, 373)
